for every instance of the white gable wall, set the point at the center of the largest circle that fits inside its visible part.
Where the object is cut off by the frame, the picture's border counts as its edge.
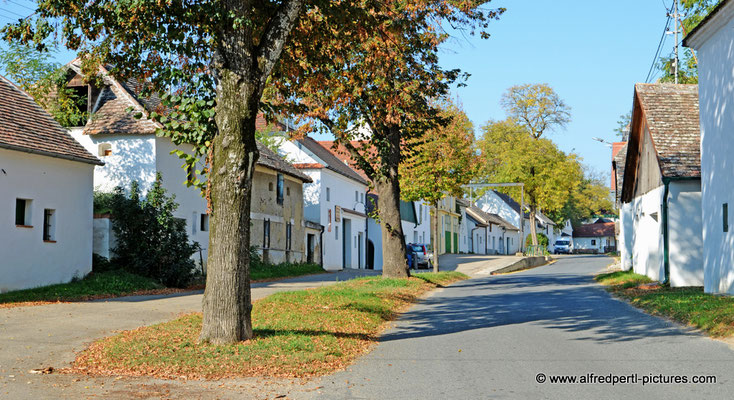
(647, 247)
(626, 235)
(685, 238)
(716, 91)
(51, 183)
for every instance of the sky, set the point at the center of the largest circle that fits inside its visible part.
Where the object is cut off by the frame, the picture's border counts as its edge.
(591, 52)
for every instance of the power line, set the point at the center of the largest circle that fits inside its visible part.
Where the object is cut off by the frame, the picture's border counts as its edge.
(657, 52)
(12, 12)
(19, 5)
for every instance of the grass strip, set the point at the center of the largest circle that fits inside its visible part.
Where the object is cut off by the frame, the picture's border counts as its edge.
(689, 305)
(297, 334)
(95, 285)
(265, 272)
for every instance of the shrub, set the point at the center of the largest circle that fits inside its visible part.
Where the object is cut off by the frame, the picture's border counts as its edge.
(150, 241)
(542, 240)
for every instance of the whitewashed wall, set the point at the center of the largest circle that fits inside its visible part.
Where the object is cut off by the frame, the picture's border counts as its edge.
(51, 183)
(626, 235)
(133, 158)
(585, 243)
(685, 233)
(191, 205)
(647, 247)
(716, 91)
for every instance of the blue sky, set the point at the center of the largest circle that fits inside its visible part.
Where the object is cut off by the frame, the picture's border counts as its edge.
(591, 52)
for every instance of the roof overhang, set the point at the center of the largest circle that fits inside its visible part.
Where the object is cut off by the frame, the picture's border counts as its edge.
(712, 23)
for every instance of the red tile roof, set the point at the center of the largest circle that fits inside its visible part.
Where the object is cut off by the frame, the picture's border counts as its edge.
(25, 126)
(595, 230)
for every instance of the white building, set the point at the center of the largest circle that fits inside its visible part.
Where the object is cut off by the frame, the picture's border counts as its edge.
(132, 152)
(488, 232)
(505, 207)
(45, 196)
(596, 238)
(662, 185)
(415, 216)
(713, 40)
(336, 199)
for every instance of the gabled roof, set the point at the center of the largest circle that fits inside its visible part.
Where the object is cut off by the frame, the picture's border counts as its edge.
(271, 160)
(109, 113)
(595, 230)
(618, 165)
(488, 218)
(516, 206)
(342, 154)
(671, 112)
(25, 126)
(332, 162)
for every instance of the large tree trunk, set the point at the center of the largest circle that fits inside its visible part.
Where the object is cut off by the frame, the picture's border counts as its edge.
(394, 257)
(434, 229)
(227, 303)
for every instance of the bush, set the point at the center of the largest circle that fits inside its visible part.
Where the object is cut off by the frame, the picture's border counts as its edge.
(150, 241)
(103, 202)
(101, 263)
(542, 240)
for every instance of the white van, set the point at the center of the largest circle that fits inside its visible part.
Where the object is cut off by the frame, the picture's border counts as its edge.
(563, 245)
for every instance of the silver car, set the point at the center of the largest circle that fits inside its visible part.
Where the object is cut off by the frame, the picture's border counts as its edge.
(422, 254)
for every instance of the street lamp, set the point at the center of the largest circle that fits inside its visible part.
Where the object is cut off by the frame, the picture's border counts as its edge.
(600, 140)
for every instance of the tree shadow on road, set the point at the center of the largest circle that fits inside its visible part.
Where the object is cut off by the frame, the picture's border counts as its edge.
(568, 302)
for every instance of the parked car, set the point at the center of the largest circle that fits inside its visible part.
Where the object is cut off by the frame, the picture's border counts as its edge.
(423, 255)
(563, 246)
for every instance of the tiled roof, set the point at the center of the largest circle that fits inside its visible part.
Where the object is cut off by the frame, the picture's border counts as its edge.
(487, 218)
(109, 113)
(619, 160)
(308, 165)
(595, 230)
(25, 126)
(271, 160)
(671, 112)
(332, 161)
(342, 154)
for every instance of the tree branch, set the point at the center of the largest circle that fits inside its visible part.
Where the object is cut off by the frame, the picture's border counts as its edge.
(275, 36)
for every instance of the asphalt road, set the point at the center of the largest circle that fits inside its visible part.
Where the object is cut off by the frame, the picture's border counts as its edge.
(492, 337)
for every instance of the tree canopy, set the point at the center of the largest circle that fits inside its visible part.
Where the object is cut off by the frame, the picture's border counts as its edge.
(536, 106)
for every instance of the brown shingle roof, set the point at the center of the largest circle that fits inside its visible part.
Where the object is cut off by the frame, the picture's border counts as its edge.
(595, 230)
(273, 161)
(332, 161)
(619, 161)
(25, 126)
(671, 112)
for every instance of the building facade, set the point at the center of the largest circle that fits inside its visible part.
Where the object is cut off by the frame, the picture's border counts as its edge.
(46, 181)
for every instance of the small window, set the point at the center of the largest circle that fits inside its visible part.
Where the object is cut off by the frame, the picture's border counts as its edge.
(361, 198)
(328, 194)
(190, 175)
(593, 242)
(49, 225)
(266, 234)
(104, 149)
(725, 212)
(279, 193)
(336, 233)
(287, 191)
(356, 196)
(204, 223)
(23, 212)
(288, 235)
(270, 186)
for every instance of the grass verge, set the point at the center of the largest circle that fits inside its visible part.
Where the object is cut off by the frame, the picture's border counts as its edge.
(690, 305)
(297, 334)
(94, 286)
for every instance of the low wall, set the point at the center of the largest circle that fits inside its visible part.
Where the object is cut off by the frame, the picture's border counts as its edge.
(525, 263)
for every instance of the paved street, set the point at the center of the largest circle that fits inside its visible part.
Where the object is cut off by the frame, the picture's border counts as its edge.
(484, 338)
(490, 337)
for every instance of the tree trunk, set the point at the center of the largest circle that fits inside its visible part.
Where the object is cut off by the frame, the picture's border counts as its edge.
(533, 225)
(394, 257)
(434, 228)
(227, 303)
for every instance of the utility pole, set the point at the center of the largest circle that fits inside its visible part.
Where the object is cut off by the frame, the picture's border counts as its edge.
(676, 23)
